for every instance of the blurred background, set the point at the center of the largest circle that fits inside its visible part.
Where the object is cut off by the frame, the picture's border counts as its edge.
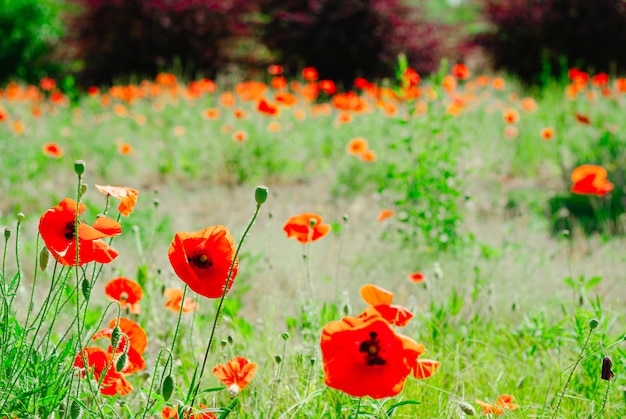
(95, 42)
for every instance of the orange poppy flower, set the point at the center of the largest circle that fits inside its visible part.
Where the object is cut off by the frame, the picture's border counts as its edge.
(511, 131)
(211, 113)
(285, 98)
(273, 126)
(511, 116)
(410, 78)
(240, 113)
(620, 84)
(46, 83)
(275, 69)
(344, 118)
(600, 79)
(368, 156)
(448, 83)
(590, 179)
(125, 149)
(328, 86)
(310, 91)
(57, 229)
(461, 72)
(425, 368)
(52, 150)
(416, 277)
(498, 83)
(503, 402)
(240, 136)
(309, 73)
(99, 362)
(172, 413)
(278, 83)
(127, 292)
(267, 108)
(357, 145)
(364, 356)
(133, 341)
(127, 196)
(547, 133)
(175, 300)
(202, 259)
(528, 104)
(227, 99)
(385, 214)
(306, 227)
(236, 374)
(380, 300)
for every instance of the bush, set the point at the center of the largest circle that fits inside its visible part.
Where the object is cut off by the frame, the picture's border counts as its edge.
(119, 38)
(28, 31)
(536, 39)
(344, 39)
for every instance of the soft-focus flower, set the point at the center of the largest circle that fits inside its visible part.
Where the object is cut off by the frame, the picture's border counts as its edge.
(306, 227)
(416, 277)
(211, 113)
(127, 196)
(511, 116)
(202, 259)
(309, 74)
(356, 146)
(275, 69)
(503, 402)
(461, 72)
(591, 179)
(175, 300)
(133, 341)
(99, 363)
(583, 119)
(425, 368)
(385, 214)
(363, 356)
(368, 156)
(52, 150)
(57, 228)
(547, 133)
(126, 292)
(380, 300)
(172, 413)
(240, 136)
(267, 108)
(236, 374)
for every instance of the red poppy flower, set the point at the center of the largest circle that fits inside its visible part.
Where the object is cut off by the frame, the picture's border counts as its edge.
(127, 292)
(364, 356)
(127, 197)
(309, 73)
(46, 83)
(547, 133)
(52, 150)
(380, 300)
(368, 156)
(503, 402)
(416, 277)
(411, 78)
(357, 146)
(99, 362)
(202, 259)
(275, 69)
(133, 341)
(172, 413)
(425, 368)
(267, 108)
(57, 228)
(328, 87)
(583, 119)
(385, 214)
(236, 374)
(175, 300)
(590, 179)
(306, 227)
(600, 79)
(461, 71)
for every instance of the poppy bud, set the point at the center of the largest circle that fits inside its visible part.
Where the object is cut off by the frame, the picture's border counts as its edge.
(607, 374)
(121, 362)
(116, 333)
(7, 233)
(260, 194)
(285, 336)
(167, 388)
(85, 288)
(20, 217)
(44, 258)
(345, 218)
(467, 408)
(230, 339)
(593, 323)
(278, 359)
(79, 167)
(74, 410)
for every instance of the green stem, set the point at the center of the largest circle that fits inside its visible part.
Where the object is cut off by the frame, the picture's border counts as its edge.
(219, 306)
(358, 408)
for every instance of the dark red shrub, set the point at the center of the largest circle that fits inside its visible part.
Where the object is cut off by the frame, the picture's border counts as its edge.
(344, 39)
(536, 39)
(116, 38)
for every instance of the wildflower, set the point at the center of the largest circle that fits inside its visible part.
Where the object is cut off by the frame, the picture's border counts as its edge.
(275, 69)
(175, 300)
(236, 374)
(48, 84)
(127, 196)
(547, 133)
(461, 72)
(99, 362)
(309, 73)
(203, 260)
(380, 300)
(357, 145)
(511, 116)
(133, 342)
(172, 413)
(286, 99)
(227, 99)
(267, 108)
(125, 149)
(503, 402)
(416, 277)
(583, 119)
(511, 131)
(363, 356)
(385, 214)
(448, 83)
(57, 228)
(410, 78)
(278, 83)
(590, 179)
(425, 368)
(240, 136)
(528, 104)
(52, 150)
(600, 79)
(127, 292)
(211, 113)
(498, 83)
(179, 130)
(273, 126)
(240, 113)
(368, 156)
(306, 227)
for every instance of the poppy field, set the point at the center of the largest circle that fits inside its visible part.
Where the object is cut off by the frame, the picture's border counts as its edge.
(435, 247)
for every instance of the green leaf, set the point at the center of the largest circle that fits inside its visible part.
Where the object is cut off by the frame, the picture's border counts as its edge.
(592, 282)
(393, 407)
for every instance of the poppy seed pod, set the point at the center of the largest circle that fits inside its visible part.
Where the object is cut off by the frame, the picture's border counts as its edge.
(79, 167)
(260, 194)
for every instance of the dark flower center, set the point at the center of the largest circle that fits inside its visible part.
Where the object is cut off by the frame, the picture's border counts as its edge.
(371, 349)
(70, 231)
(201, 260)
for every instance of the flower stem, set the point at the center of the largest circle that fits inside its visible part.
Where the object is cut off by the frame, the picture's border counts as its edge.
(358, 408)
(219, 306)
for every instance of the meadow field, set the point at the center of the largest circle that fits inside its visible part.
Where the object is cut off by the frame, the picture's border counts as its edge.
(435, 248)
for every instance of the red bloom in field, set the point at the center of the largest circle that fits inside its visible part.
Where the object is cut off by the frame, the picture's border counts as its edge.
(511, 116)
(425, 368)
(385, 214)
(368, 156)
(577, 76)
(236, 374)
(503, 402)
(172, 413)
(309, 73)
(380, 300)
(600, 79)
(547, 133)
(202, 259)
(57, 228)
(461, 72)
(411, 78)
(275, 69)
(356, 146)
(175, 300)
(47, 84)
(127, 292)
(590, 179)
(306, 227)
(267, 108)
(416, 277)
(133, 340)
(52, 150)
(363, 356)
(328, 87)
(127, 197)
(99, 362)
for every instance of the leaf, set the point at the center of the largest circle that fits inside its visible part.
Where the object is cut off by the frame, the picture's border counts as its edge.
(593, 282)
(393, 407)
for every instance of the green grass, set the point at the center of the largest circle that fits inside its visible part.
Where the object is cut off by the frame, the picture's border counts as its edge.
(505, 307)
